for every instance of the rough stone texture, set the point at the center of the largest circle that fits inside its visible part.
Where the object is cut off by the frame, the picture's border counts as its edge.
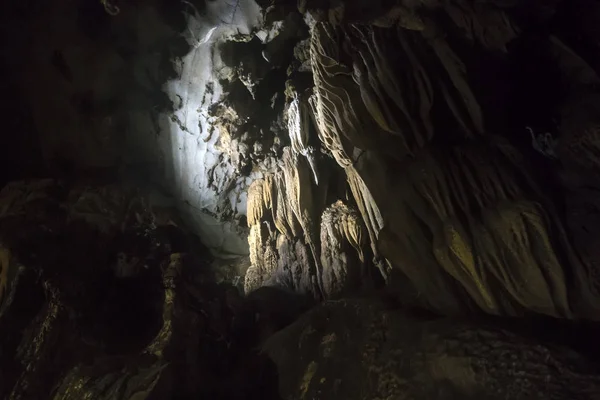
(104, 297)
(388, 354)
(131, 91)
(343, 237)
(459, 181)
(446, 150)
(460, 192)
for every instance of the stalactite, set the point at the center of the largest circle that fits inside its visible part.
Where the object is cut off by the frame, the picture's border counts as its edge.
(445, 204)
(256, 202)
(298, 127)
(285, 221)
(301, 200)
(370, 215)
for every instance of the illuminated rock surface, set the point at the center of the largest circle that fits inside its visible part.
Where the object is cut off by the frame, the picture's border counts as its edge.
(442, 155)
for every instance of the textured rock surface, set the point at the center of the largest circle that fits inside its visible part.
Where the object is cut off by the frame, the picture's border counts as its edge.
(132, 91)
(444, 153)
(458, 181)
(456, 189)
(390, 355)
(103, 297)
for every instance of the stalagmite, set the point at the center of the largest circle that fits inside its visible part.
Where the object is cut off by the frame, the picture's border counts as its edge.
(343, 237)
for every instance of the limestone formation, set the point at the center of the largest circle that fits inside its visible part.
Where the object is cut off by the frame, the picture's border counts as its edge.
(299, 129)
(72, 326)
(436, 159)
(472, 205)
(578, 145)
(343, 239)
(391, 355)
(444, 199)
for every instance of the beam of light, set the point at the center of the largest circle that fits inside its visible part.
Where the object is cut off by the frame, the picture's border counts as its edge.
(203, 177)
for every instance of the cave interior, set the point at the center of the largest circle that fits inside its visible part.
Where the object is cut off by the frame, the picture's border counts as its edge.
(290, 200)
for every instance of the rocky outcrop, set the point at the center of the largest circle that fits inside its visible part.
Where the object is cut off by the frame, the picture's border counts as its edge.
(456, 215)
(343, 237)
(425, 117)
(391, 355)
(103, 296)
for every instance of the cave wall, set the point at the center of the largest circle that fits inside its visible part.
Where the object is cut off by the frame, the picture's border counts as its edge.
(468, 187)
(129, 94)
(387, 354)
(441, 152)
(103, 296)
(459, 158)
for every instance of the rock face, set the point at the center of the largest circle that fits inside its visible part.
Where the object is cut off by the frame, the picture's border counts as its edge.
(444, 153)
(460, 197)
(131, 91)
(102, 296)
(460, 182)
(390, 355)
(105, 297)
